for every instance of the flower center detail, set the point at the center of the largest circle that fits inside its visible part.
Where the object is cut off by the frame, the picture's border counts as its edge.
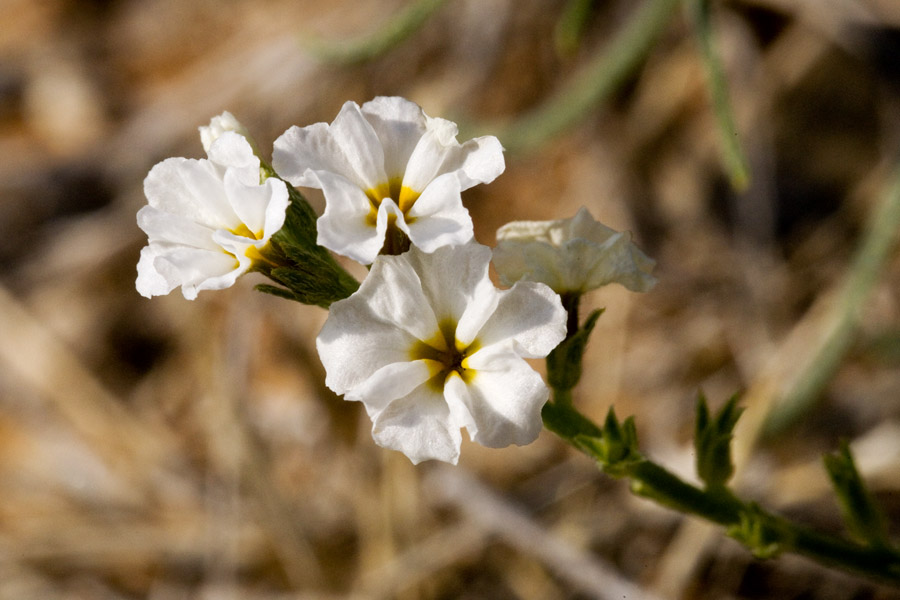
(252, 252)
(244, 231)
(445, 355)
(394, 189)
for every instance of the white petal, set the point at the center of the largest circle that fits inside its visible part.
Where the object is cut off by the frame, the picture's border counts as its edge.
(620, 262)
(232, 151)
(481, 161)
(504, 398)
(399, 124)
(348, 147)
(360, 145)
(393, 291)
(196, 270)
(439, 217)
(344, 227)
(192, 189)
(175, 229)
(529, 314)
(419, 426)
(437, 153)
(452, 277)
(276, 210)
(509, 261)
(262, 208)
(388, 383)
(219, 125)
(149, 282)
(248, 202)
(356, 341)
(300, 152)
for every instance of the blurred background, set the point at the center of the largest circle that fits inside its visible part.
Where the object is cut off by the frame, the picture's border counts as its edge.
(169, 449)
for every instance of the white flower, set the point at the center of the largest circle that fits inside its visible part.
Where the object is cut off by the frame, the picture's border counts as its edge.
(571, 255)
(429, 345)
(387, 163)
(207, 220)
(219, 125)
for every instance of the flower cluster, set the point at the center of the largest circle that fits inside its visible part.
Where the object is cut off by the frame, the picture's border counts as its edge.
(207, 220)
(426, 343)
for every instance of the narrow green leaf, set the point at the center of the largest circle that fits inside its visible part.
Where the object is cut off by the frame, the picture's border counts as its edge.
(712, 441)
(863, 517)
(564, 362)
(733, 155)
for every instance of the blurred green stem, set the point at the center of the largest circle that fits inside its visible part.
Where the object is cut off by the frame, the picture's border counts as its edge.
(367, 47)
(877, 246)
(571, 25)
(602, 76)
(735, 161)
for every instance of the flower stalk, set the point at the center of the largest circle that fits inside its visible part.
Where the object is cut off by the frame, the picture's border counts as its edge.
(614, 448)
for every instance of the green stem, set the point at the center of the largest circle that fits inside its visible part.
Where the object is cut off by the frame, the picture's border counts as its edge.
(720, 506)
(571, 25)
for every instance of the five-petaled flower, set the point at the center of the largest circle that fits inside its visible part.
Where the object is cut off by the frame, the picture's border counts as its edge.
(385, 166)
(429, 345)
(572, 256)
(207, 220)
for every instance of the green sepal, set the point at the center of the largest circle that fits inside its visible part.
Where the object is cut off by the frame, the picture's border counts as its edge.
(277, 291)
(299, 227)
(616, 449)
(863, 517)
(712, 441)
(307, 271)
(756, 531)
(564, 362)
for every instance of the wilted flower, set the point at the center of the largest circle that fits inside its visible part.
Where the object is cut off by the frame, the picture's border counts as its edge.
(387, 165)
(207, 220)
(429, 345)
(571, 255)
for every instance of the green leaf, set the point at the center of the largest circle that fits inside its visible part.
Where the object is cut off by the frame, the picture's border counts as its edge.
(564, 362)
(863, 517)
(712, 441)
(616, 449)
(733, 156)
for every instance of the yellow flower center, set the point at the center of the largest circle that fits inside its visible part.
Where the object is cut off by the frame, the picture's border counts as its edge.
(404, 196)
(244, 231)
(445, 355)
(253, 253)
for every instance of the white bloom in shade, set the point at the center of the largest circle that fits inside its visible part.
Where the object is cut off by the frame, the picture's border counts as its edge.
(219, 125)
(429, 345)
(207, 220)
(387, 163)
(571, 255)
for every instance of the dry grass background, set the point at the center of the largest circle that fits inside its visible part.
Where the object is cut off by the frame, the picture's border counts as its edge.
(169, 449)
